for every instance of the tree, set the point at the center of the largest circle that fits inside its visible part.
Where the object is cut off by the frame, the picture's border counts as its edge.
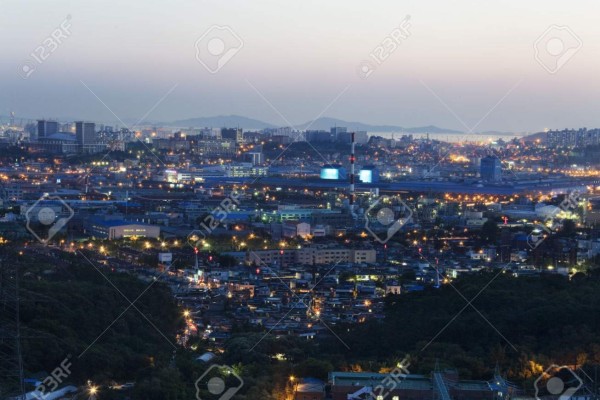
(490, 232)
(313, 368)
(228, 261)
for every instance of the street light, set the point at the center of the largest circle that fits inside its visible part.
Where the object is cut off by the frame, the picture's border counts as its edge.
(92, 390)
(294, 385)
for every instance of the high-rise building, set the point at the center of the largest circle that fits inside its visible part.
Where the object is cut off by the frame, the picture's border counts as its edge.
(491, 169)
(574, 138)
(235, 134)
(336, 131)
(361, 137)
(85, 132)
(341, 135)
(46, 128)
(318, 136)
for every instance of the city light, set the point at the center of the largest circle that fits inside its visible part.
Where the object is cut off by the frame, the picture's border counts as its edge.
(328, 248)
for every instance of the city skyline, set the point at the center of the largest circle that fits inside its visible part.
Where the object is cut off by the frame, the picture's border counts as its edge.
(457, 66)
(299, 200)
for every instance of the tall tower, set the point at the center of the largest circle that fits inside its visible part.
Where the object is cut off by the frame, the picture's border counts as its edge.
(46, 128)
(491, 169)
(85, 133)
(235, 134)
(352, 159)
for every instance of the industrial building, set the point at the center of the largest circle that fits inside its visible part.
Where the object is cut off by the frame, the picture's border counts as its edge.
(119, 229)
(368, 174)
(333, 172)
(438, 385)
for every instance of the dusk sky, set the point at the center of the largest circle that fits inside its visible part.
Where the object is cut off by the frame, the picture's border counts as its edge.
(477, 57)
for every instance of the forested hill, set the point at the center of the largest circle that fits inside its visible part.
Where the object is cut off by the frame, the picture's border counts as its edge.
(512, 322)
(69, 309)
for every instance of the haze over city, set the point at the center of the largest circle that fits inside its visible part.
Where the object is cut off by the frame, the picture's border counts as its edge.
(301, 200)
(301, 56)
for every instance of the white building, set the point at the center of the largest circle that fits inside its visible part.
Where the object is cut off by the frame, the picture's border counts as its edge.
(292, 229)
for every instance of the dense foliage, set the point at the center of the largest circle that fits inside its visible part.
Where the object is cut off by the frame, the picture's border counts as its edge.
(488, 319)
(72, 309)
(474, 324)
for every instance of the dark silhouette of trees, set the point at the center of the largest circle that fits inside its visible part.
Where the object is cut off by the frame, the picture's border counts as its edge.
(490, 232)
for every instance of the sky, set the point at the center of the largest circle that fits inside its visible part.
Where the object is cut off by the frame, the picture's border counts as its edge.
(464, 65)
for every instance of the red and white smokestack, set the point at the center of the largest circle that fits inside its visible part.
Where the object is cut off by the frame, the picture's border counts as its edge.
(352, 158)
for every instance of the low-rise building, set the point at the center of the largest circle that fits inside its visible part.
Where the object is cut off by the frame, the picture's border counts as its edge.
(292, 229)
(119, 229)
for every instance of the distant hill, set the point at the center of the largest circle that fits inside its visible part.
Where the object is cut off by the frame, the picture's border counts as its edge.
(533, 137)
(326, 123)
(499, 133)
(221, 121)
(323, 123)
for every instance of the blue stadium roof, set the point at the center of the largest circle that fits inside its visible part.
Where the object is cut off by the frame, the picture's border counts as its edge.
(115, 222)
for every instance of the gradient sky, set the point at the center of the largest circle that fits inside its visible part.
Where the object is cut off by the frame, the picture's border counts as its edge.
(301, 55)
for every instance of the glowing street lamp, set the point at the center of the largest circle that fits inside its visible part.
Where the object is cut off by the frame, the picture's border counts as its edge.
(92, 390)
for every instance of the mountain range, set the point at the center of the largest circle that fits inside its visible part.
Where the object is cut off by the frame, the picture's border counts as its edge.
(323, 123)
